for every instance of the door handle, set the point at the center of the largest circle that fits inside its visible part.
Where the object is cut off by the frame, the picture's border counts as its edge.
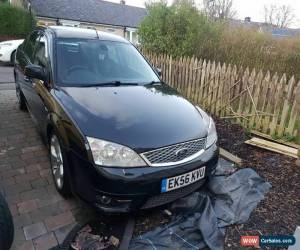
(26, 79)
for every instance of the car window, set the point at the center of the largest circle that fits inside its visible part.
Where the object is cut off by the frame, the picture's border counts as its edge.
(131, 59)
(30, 45)
(41, 52)
(92, 61)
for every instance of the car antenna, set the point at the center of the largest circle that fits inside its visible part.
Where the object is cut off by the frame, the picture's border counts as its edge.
(96, 31)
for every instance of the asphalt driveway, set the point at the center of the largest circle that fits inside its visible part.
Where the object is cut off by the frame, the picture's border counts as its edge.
(42, 218)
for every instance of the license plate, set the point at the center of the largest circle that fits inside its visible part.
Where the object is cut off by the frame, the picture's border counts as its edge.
(182, 180)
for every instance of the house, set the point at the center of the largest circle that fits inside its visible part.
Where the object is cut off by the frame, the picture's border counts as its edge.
(273, 30)
(120, 19)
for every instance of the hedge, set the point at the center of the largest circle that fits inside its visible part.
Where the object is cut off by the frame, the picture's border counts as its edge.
(15, 22)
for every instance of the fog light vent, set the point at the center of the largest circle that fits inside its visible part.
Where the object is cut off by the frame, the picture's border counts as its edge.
(105, 199)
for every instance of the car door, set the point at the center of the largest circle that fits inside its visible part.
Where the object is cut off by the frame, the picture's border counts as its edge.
(26, 58)
(40, 95)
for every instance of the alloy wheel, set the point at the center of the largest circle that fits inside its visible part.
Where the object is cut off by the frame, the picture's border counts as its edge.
(57, 164)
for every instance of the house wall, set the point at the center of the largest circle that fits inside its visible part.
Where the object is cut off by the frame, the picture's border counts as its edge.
(107, 28)
(128, 33)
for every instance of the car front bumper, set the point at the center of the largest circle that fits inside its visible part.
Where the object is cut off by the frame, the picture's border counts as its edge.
(119, 190)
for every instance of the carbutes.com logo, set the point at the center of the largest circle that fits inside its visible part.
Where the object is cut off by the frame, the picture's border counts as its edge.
(268, 240)
(250, 241)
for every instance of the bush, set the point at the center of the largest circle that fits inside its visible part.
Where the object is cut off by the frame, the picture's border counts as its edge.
(177, 30)
(15, 22)
(249, 48)
(181, 30)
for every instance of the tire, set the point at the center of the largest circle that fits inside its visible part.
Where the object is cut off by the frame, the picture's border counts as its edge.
(59, 166)
(13, 58)
(6, 225)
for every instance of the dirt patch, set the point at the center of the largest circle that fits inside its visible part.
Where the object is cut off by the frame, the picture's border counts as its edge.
(279, 212)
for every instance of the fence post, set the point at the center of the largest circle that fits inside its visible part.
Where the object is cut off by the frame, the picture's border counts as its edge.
(297, 96)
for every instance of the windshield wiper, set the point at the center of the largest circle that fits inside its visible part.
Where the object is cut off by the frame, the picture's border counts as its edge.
(117, 83)
(112, 83)
(155, 82)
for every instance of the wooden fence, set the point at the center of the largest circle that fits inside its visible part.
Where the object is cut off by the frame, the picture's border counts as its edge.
(262, 102)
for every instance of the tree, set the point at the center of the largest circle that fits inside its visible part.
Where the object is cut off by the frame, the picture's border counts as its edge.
(279, 16)
(15, 22)
(219, 9)
(179, 29)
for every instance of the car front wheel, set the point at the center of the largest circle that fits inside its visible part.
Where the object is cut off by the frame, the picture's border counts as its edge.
(58, 166)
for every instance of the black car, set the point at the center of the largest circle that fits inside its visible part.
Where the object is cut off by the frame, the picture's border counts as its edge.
(119, 137)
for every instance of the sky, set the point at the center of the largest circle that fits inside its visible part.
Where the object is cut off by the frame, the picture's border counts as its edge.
(252, 8)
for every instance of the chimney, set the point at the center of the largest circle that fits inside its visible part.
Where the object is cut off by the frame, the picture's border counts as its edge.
(122, 2)
(247, 19)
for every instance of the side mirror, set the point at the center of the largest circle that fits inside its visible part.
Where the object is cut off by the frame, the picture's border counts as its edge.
(158, 71)
(35, 71)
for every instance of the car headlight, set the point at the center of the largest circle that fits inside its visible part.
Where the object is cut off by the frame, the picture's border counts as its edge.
(110, 154)
(212, 136)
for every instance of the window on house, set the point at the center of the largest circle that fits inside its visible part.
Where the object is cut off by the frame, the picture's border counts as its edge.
(132, 36)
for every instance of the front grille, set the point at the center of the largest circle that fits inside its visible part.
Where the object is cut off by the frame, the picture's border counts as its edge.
(168, 197)
(170, 156)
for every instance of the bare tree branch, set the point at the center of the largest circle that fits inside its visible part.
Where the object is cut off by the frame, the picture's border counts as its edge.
(219, 9)
(282, 16)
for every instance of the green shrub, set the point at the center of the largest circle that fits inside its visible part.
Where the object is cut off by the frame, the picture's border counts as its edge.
(177, 30)
(14, 21)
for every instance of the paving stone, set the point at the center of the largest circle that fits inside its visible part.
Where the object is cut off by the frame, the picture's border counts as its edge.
(43, 213)
(40, 153)
(19, 237)
(41, 182)
(34, 230)
(49, 199)
(8, 181)
(17, 188)
(69, 204)
(62, 232)
(27, 206)
(13, 209)
(12, 172)
(27, 177)
(58, 221)
(33, 194)
(13, 199)
(22, 220)
(33, 168)
(27, 245)
(45, 242)
(45, 172)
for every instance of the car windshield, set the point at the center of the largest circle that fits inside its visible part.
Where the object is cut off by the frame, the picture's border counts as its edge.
(85, 62)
